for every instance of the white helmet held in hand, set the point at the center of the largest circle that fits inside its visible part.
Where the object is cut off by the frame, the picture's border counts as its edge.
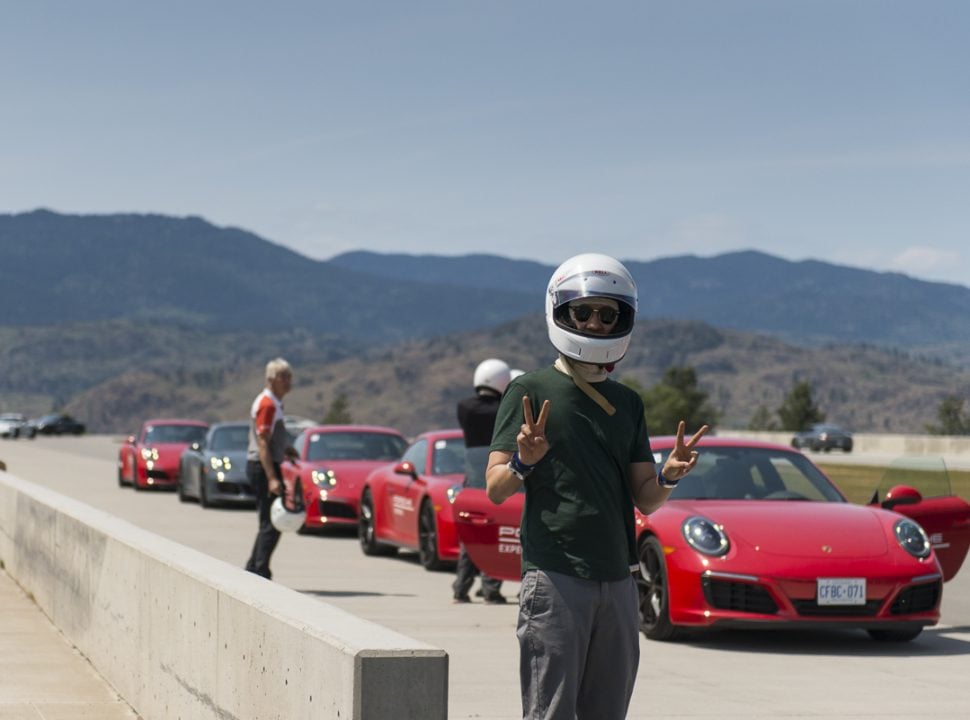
(493, 374)
(590, 275)
(286, 520)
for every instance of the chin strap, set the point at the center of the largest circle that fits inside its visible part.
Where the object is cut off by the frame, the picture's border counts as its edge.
(565, 366)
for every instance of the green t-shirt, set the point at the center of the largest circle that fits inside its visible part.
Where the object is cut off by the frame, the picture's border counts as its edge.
(578, 517)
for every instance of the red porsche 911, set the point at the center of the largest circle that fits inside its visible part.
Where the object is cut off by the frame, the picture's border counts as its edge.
(757, 536)
(333, 464)
(407, 503)
(151, 458)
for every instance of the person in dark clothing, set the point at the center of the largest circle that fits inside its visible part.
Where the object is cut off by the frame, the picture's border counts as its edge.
(577, 442)
(476, 417)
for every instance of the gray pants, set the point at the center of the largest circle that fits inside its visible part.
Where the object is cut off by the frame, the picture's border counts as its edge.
(579, 647)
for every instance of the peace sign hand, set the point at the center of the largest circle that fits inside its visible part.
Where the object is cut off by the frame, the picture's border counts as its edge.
(531, 439)
(683, 457)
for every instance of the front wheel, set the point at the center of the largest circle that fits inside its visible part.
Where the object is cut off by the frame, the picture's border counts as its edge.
(203, 495)
(181, 487)
(654, 596)
(428, 539)
(366, 529)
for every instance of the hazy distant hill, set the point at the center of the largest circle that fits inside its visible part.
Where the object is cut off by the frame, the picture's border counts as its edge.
(414, 386)
(806, 302)
(58, 269)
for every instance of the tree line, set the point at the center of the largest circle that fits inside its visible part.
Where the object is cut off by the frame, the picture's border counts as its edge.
(678, 396)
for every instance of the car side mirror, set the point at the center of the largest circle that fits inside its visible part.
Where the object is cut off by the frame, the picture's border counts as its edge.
(406, 467)
(901, 495)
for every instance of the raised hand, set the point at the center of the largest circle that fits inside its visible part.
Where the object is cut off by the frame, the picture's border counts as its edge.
(683, 457)
(531, 439)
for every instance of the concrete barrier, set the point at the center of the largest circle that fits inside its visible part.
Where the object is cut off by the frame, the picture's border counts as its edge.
(181, 635)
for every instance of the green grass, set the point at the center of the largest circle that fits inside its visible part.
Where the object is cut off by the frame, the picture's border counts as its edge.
(858, 481)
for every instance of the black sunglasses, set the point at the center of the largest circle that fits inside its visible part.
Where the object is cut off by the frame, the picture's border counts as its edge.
(582, 313)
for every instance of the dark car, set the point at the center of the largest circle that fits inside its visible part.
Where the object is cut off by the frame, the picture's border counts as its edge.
(57, 424)
(823, 436)
(213, 471)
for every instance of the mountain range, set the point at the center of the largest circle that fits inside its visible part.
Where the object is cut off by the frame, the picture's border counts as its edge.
(121, 316)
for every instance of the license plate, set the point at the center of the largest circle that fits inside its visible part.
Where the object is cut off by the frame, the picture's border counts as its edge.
(841, 591)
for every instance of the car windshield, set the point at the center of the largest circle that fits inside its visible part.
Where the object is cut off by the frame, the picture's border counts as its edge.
(738, 473)
(229, 438)
(354, 446)
(449, 456)
(826, 428)
(174, 434)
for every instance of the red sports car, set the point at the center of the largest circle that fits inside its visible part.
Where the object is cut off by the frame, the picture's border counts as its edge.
(757, 536)
(407, 504)
(151, 458)
(333, 464)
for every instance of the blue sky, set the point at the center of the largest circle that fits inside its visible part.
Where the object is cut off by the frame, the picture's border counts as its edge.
(804, 128)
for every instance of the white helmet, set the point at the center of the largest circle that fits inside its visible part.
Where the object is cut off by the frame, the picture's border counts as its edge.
(493, 374)
(587, 276)
(285, 520)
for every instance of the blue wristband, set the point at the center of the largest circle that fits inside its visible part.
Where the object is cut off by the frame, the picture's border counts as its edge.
(519, 468)
(664, 482)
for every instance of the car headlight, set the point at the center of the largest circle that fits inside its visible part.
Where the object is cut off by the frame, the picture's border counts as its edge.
(149, 454)
(912, 538)
(452, 492)
(324, 478)
(222, 463)
(705, 536)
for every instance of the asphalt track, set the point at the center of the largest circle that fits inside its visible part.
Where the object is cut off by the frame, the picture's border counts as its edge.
(728, 674)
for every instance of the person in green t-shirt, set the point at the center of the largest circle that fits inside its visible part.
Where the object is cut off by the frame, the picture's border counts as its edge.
(585, 461)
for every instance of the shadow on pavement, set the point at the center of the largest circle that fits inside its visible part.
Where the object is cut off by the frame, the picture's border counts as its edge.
(352, 593)
(933, 642)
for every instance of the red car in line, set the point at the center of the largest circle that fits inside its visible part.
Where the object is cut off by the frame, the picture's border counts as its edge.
(151, 458)
(333, 464)
(757, 536)
(407, 504)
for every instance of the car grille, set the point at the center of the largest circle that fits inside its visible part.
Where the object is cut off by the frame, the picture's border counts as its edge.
(337, 510)
(158, 475)
(234, 488)
(917, 598)
(738, 596)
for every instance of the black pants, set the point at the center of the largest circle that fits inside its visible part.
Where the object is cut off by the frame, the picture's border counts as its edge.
(465, 577)
(267, 536)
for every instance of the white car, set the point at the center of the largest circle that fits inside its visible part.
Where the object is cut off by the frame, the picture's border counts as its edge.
(14, 425)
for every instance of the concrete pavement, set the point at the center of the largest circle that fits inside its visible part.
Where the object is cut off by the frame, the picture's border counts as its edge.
(42, 677)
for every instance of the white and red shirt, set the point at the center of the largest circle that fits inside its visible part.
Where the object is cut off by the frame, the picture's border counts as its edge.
(266, 416)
